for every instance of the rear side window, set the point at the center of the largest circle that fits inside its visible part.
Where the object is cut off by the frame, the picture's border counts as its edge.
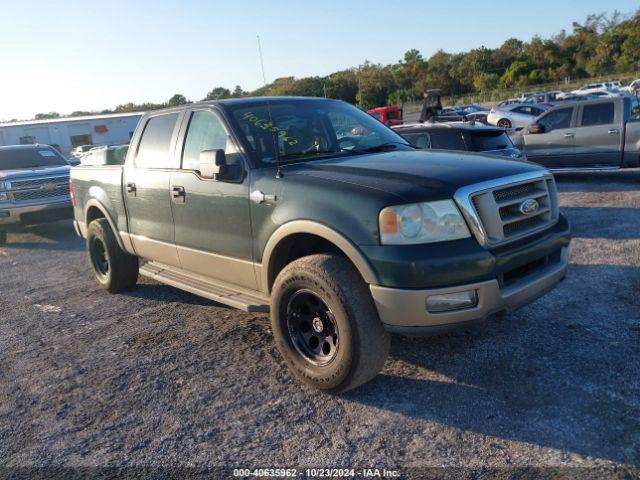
(447, 141)
(599, 114)
(154, 148)
(485, 141)
(557, 119)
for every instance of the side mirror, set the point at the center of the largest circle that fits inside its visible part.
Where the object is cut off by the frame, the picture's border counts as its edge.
(535, 128)
(213, 164)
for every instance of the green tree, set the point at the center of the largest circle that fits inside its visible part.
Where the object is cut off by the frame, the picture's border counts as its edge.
(484, 82)
(177, 100)
(238, 92)
(343, 85)
(218, 93)
(47, 116)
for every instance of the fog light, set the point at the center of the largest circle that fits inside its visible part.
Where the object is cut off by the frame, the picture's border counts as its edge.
(452, 301)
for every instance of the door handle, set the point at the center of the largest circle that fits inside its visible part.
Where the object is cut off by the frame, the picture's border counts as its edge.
(178, 194)
(568, 135)
(613, 131)
(131, 188)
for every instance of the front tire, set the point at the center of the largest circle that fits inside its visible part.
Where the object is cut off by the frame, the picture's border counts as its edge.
(113, 268)
(325, 324)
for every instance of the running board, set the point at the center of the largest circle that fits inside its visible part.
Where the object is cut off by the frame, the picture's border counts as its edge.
(243, 299)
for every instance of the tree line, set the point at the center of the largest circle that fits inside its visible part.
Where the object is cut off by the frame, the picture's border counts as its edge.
(605, 44)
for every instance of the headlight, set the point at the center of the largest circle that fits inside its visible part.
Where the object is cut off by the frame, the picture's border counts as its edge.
(426, 222)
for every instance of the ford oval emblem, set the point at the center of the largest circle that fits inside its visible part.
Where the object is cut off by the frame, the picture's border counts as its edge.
(529, 206)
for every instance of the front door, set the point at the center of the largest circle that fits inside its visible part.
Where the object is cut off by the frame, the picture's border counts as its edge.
(599, 135)
(146, 183)
(554, 147)
(211, 217)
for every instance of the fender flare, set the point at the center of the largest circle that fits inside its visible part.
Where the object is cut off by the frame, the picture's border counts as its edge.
(97, 204)
(313, 228)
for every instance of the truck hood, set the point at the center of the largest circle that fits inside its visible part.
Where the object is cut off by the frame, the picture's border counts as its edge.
(34, 172)
(414, 175)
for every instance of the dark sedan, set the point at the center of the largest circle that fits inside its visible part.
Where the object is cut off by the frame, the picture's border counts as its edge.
(464, 136)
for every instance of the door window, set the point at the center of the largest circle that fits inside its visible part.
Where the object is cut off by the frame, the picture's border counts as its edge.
(557, 119)
(598, 114)
(206, 132)
(154, 148)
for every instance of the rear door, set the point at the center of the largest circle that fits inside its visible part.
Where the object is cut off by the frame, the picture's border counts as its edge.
(146, 189)
(555, 147)
(598, 138)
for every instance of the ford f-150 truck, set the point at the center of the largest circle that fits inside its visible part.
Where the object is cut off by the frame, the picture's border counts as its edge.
(593, 134)
(34, 187)
(275, 204)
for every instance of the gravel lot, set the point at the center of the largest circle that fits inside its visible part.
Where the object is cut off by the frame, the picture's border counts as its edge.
(158, 377)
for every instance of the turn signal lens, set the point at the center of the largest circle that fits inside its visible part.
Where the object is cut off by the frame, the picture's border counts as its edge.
(72, 193)
(389, 222)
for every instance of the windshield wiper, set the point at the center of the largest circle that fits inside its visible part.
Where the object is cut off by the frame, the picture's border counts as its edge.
(382, 146)
(310, 152)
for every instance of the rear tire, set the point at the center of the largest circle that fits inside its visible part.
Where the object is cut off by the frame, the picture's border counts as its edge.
(325, 324)
(504, 123)
(113, 268)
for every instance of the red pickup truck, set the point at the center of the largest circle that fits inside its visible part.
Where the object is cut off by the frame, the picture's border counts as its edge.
(390, 116)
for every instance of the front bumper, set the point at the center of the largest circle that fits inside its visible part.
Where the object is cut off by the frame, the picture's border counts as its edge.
(31, 214)
(405, 311)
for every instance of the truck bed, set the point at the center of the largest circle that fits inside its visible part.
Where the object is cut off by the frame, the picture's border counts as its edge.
(103, 183)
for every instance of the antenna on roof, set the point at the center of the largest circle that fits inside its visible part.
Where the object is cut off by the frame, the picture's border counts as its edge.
(276, 149)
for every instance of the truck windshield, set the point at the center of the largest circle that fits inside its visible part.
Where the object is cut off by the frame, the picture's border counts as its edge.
(18, 158)
(485, 141)
(306, 130)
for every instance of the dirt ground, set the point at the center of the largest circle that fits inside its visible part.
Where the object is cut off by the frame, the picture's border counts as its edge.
(156, 377)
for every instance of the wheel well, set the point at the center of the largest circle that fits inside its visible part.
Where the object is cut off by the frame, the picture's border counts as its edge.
(94, 213)
(297, 246)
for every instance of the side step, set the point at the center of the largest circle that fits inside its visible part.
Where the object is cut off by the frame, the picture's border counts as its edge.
(243, 299)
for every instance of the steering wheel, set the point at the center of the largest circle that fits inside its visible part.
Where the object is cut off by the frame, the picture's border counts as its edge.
(347, 143)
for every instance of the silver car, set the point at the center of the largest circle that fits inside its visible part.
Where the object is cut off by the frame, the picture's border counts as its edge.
(516, 115)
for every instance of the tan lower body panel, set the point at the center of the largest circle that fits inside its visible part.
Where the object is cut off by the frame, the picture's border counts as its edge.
(407, 308)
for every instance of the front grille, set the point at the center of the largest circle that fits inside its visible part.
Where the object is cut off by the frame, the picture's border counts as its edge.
(509, 193)
(27, 195)
(501, 212)
(37, 189)
(37, 182)
(514, 275)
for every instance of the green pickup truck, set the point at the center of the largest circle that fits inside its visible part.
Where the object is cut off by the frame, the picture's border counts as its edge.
(314, 211)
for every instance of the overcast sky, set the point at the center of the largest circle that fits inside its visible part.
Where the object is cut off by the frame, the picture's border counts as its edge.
(71, 55)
